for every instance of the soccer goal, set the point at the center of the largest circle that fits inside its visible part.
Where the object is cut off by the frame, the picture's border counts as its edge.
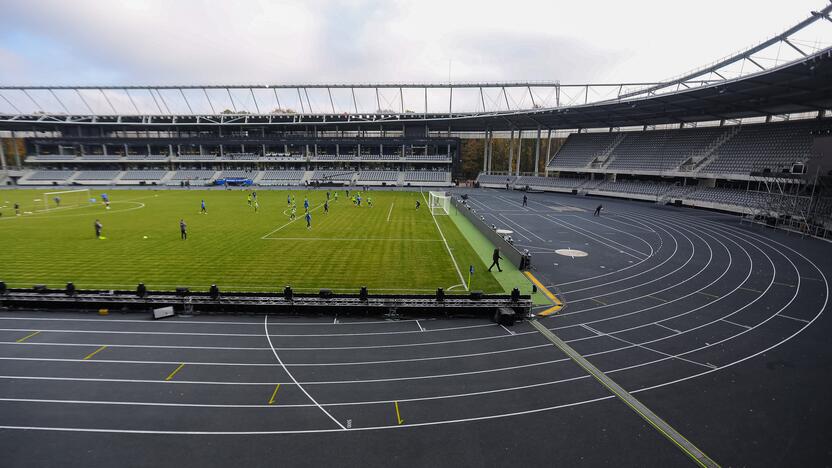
(439, 203)
(67, 198)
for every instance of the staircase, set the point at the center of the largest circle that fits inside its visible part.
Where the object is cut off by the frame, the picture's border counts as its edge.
(697, 161)
(603, 159)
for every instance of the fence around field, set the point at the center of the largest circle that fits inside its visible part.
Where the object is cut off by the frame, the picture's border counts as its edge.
(508, 251)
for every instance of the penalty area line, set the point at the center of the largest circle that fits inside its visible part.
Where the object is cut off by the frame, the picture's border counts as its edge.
(458, 271)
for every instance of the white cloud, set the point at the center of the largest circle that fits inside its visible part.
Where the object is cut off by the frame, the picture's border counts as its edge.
(208, 42)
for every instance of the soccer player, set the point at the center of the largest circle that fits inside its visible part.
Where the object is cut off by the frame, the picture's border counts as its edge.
(106, 200)
(98, 227)
(327, 194)
(57, 202)
(17, 209)
(308, 220)
(293, 213)
(598, 210)
(256, 205)
(369, 202)
(525, 199)
(183, 229)
(358, 200)
(326, 206)
(305, 204)
(288, 200)
(418, 204)
(249, 199)
(336, 196)
(348, 192)
(496, 260)
(203, 210)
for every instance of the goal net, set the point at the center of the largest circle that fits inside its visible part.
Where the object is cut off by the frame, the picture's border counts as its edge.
(66, 199)
(439, 203)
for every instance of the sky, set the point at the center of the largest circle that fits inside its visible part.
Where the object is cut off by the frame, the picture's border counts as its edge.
(107, 42)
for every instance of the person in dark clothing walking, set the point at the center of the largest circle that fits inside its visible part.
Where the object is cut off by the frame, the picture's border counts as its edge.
(598, 210)
(496, 257)
(183, 229)
(525, 200)
(98, 227)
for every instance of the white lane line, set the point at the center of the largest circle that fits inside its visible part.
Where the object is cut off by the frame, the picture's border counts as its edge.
(709, 366)
(667, 328)
(213, 322)
(420, 326)
(297, 364)
(736, 324)
(285, 369)
(586, 232)
(309, 431)
(792, 318)
(246, 335)
(390, 212)
(458, 271)
(506, 329)
(307, 383)
(248, 348)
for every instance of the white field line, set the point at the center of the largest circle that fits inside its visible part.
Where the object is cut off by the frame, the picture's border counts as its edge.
(356, 239)
(390, 212)
(266, 237)
(458, 271)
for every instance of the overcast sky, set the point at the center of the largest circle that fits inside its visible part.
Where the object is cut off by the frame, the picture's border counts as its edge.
(107, 42)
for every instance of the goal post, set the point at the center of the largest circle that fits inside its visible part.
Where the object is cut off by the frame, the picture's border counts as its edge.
(439, 203)
(68, 198)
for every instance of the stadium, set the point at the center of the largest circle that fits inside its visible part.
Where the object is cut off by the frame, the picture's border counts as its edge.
(527, 273)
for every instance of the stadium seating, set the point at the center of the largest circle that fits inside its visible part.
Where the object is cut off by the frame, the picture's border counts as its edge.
(580, 149)
(99, 157)
(378, 176)
(197, 157)
(555, 182)
(51, 175)
(341, 176)
(198, 175)
(237, 174)
(427, 176)
(757, 148)
(97, 175)
(281, 177)
(490, 179)
(144, 175)
(660, 150)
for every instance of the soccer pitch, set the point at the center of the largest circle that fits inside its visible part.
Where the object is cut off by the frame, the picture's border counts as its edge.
(391, 247)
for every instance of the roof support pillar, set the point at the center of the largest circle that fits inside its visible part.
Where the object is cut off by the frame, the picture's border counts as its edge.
(537, 153)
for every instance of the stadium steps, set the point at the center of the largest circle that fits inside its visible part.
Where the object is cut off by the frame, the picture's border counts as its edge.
(603, 160)
(307, 177)
(400, 179)
(256, 180)
(697, 162)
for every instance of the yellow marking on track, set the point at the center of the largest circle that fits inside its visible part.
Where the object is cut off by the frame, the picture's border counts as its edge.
(398, 415)
(557, 302)
(751, 290)
(94, 352)
(274, 394)
(27, 337)
(170, 376)
(657, 298)
(600, 302)
(708, 295)
(783, 284)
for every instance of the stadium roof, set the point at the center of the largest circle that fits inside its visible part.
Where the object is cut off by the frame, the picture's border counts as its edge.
(715, 92)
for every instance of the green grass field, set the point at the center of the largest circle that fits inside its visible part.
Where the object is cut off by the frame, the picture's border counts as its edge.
(390, 248)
